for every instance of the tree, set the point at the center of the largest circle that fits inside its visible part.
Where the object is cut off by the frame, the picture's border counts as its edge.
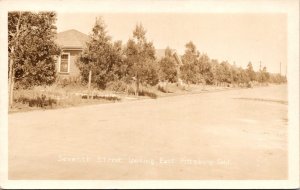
(205, 68)
(277, 78)
(141, 58)
(215, 67)
(32, 48)
(235, 73)
(224, 72)
(263, 75)
(167, 67)
(190, 71)
(250, 72)
(101, 56)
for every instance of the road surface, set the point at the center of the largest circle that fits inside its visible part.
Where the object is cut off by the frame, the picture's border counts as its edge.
(234, 134)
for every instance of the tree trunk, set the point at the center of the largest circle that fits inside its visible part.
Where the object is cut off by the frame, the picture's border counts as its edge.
(137, 86)
(11, 79)
(89, 85)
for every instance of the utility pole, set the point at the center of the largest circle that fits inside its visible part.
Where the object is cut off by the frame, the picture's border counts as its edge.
(259, 65)
(285, 70)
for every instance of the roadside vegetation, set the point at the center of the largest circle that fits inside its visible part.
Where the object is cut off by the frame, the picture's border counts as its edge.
(119, 71)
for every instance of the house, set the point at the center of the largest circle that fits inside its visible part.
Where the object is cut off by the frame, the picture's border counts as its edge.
(72, 43)
(160, 53)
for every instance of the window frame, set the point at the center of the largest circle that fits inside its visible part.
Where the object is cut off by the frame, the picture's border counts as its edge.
(69, 62)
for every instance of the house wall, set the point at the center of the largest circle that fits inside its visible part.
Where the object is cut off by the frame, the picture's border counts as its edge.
(74, 71)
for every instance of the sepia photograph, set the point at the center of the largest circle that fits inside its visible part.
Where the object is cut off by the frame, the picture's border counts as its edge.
(146, 94)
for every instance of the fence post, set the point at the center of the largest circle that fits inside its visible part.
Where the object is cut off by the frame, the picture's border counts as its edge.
(90, 77)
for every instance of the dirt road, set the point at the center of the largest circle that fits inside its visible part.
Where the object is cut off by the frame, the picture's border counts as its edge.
(235, 134)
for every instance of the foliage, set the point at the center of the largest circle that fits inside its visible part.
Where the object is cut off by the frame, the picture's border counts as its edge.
(190, 72)
(225, 72)
(144, 92)
(117, 86)
(168, 67)
(32, 47)
(250, 72)
(205, 68)
(140, 58)
(102, 57)
(162, 89)
(277, 78)
(263, 76)
(32, 51)
(42, 101)
(68, 81)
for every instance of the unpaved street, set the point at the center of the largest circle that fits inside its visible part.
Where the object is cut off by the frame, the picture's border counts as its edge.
(234, 134)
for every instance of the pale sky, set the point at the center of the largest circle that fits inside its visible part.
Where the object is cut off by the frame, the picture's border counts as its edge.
(238, 38)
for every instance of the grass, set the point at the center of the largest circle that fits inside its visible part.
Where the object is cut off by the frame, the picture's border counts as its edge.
(146, 92)
(55, 96)
(58, 96)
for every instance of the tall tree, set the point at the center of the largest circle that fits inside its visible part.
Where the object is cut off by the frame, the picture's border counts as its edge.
(141, 58)
(101, 56)
(263, 76)
(215, 66)
(190, 72)
(225, 72)
(251, 72)
(32, 48)
(168, 67)
(205, 68)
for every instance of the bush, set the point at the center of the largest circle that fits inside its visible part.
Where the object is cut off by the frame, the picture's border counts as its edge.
(162, 89)
(182, 86)
(117, 86)
(63, 81)
(42, 101)
(145, 92)
(249, 85)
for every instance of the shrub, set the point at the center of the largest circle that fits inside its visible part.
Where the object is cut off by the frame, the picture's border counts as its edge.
(117, 86)
(42, 101)
(162, 89)
(182, 86)
(249, 85)
(148, 93)
(63, 81)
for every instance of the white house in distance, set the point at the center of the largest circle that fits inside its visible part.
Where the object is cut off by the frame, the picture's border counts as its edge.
(72, 43)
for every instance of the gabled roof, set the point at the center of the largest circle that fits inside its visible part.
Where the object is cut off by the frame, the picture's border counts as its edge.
(72, 39)
(160, 53)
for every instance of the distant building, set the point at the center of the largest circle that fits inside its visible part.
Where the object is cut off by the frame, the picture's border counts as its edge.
(160, 53)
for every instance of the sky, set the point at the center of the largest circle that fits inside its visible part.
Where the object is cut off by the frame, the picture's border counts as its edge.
(234, 37)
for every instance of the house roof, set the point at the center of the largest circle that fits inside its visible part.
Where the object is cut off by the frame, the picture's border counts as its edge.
(72, 39)
(160, 53)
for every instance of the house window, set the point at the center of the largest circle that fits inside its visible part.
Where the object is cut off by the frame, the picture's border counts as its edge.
(64, 66)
